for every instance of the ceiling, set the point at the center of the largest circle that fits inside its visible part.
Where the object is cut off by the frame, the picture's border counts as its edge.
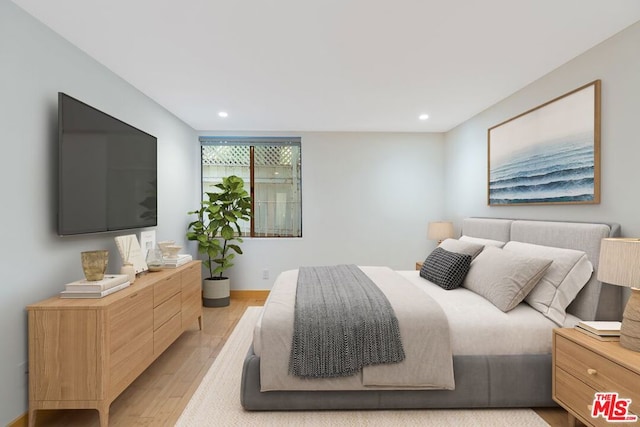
(332, 65)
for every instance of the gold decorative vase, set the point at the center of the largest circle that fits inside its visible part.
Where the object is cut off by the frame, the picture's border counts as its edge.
(94, 264)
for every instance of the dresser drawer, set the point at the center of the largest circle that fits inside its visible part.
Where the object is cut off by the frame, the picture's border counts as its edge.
(191, 278)
(130, 337)
(598, 372)
(128, 363)
(165, 289)
(573, 393)
(167, 334)
(166, 310)
(130, 320)
(191, 292)
(191, 308)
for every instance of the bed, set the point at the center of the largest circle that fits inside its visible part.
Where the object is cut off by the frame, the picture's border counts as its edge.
(492, 366)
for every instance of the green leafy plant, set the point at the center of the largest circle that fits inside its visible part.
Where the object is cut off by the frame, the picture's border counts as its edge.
(217, 229)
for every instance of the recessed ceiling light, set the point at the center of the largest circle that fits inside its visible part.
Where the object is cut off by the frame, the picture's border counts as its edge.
(423, 116)
(223, 114)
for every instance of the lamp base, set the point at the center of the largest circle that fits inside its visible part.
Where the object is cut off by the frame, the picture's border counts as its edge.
(630, 329)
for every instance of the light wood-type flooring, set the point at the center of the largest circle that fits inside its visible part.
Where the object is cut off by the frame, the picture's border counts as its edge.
(159, 395)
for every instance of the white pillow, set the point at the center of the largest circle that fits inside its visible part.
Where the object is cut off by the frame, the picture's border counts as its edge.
(504, 278)
(562, 281)
(460, 247)
(483, 242)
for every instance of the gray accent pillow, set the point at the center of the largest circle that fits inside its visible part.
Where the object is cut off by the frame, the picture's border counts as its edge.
(445, 269)
(461, 247)
(504, 278)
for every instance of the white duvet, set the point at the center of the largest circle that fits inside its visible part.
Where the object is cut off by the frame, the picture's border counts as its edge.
(479, 328)
(476, 327)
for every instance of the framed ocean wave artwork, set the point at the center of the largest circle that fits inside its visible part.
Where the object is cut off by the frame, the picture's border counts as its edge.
(548, 155)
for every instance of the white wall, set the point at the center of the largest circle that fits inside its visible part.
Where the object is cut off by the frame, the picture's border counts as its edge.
(366, 199)
(616, 63)
(36, 263)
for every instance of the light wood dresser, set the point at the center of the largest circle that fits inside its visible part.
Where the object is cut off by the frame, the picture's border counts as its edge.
(84, 352)
(583, 365)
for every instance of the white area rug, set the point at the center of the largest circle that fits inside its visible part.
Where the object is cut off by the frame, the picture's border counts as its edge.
(216, 402)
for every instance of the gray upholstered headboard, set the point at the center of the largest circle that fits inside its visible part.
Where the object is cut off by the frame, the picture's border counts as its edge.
(596, 301)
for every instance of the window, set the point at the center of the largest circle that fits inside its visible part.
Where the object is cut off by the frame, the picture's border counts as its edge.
(270, 168)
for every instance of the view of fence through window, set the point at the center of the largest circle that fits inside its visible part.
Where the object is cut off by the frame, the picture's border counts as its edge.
(270, 168)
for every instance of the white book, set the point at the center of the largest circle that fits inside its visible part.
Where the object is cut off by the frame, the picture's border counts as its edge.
(178, 257)
(96, 294)
(109, 281)
(177, 262)
(598, 337)
(601, 327)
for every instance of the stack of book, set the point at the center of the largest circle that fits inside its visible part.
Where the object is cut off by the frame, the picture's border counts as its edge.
(97, 288)
(601, 330)
(179, 260)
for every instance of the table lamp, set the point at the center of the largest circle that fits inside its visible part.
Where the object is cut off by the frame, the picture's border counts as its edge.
(620, 265)
(440, 230)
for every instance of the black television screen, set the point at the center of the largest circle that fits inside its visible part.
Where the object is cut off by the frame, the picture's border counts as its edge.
(107, 172)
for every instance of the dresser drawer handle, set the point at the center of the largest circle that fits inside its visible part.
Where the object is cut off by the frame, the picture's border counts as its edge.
(590, 408)
(591, 371)
(133, 295)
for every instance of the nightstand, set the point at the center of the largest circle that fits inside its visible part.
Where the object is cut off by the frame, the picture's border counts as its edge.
(418, 265)
(583, 365)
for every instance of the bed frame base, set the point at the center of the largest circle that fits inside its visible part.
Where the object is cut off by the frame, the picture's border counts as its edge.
(481, 382)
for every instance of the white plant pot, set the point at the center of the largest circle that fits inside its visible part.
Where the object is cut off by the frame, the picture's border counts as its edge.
(216, 292)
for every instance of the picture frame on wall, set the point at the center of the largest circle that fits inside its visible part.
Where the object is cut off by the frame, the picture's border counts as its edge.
(549, 154)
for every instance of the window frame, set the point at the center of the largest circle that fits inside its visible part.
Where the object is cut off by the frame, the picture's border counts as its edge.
(253, 142)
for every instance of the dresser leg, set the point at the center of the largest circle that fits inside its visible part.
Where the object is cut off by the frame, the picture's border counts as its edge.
(200, 322)
(571, 420)
(104, 416)
(32, 417)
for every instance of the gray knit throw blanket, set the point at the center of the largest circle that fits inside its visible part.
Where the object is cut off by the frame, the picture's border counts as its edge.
(342, 322)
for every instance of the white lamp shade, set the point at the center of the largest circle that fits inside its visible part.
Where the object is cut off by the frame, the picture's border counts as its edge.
(440, 230)
(620, 262)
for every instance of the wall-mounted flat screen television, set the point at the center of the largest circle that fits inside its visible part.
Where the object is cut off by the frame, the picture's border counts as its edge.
(107, 172)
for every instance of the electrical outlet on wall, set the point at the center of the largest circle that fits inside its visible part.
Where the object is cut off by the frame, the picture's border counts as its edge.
(265, 274)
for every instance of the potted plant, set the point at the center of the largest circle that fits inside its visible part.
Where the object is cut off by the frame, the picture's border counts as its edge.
(217, 231)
